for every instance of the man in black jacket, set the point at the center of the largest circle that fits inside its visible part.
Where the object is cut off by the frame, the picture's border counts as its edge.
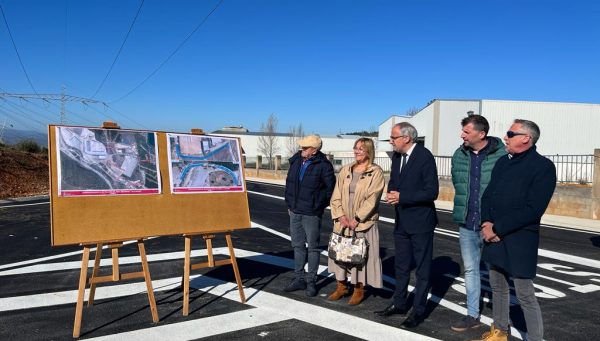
(412, 189)
(308, 188)
(512, 206)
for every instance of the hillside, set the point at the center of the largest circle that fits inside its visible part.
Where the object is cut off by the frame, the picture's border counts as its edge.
(14, 136)
(22, 174)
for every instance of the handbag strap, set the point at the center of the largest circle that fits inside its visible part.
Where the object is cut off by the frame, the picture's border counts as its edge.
(352, 235)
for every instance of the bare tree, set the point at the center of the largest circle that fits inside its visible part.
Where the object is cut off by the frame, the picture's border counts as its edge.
(291, 143)
(267, 142)
(412, 111)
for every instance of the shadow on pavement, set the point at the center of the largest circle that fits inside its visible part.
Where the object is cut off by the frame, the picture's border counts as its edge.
(441, 267)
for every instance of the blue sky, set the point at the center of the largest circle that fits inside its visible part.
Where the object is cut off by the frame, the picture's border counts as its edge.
(334, 66)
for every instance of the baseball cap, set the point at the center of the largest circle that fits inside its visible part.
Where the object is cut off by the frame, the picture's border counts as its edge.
(310, 141)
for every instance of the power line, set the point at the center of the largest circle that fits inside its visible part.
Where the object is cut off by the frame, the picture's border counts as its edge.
(52, 119)
(120, 113)
(17, 117)
(22, 109)
(21, 125)
(172, 53)
(28, 133)
(66, 34)
(16, 50)
(63, 98)
(120, 49)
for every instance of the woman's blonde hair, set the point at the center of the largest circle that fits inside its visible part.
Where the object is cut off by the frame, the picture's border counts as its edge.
(369, 148)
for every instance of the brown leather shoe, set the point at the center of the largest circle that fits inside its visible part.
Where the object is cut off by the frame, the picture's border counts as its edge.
(358, 294)
(341, 290)
(494, 335)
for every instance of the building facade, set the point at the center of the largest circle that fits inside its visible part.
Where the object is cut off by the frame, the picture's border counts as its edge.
(285, 145)
(566, 128)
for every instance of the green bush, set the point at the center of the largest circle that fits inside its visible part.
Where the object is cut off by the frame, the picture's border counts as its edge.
(28, 145)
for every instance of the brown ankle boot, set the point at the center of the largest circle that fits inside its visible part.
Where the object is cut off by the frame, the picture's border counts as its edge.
(358, 294)
(341, 290)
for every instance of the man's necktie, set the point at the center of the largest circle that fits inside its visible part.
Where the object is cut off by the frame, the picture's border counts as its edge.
(403, 163)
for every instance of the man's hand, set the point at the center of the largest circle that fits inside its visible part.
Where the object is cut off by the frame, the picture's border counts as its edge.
(488, 234)
(392, 197)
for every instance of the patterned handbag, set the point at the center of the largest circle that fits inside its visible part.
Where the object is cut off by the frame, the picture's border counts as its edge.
(350, 250)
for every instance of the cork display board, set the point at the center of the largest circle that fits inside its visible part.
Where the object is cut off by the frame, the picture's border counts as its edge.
(109, 185)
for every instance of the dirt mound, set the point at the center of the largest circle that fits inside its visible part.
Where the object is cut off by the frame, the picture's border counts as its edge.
(22, 174)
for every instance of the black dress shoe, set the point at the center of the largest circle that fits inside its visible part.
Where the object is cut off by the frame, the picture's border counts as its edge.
(391, 310)
(412, 321)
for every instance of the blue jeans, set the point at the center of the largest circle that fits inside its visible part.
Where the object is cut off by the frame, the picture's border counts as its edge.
(305, 231)
(471, 244)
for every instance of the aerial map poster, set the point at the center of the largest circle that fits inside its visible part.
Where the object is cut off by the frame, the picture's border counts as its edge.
(96, 161)
(204, 164)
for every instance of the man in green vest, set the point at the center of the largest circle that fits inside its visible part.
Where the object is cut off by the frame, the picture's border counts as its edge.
(472, 165)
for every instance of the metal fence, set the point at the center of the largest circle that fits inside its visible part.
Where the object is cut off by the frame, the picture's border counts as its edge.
(384, 162)
(573, 168)
(569, 168)
(577, 169)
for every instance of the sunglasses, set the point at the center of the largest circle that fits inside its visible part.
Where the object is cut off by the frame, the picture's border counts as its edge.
(512, 134)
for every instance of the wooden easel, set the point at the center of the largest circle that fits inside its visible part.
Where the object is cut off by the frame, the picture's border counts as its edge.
(210, 264)
(211, 261)
(115, 277)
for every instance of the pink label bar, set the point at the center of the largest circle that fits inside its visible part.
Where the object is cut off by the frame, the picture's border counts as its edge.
(208, 189)
(71, 193)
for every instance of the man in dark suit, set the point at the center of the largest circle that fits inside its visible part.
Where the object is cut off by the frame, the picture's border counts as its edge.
(412, 189)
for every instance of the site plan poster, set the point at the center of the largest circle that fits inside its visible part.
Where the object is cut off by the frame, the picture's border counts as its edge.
(96, 161)
(204, 164)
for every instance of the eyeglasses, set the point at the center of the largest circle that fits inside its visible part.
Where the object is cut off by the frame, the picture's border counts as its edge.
(359, 151)
(512, 134)
(396, 137)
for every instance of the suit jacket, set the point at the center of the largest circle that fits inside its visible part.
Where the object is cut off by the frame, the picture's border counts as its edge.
(419, 187)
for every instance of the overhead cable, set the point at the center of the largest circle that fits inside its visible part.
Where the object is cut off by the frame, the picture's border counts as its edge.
(120, 49)
(172, 53)
(120, 113)
(28, 111)
(19, 118)
(16, 50)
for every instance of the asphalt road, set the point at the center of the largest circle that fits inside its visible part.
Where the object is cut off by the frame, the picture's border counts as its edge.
(38, 286)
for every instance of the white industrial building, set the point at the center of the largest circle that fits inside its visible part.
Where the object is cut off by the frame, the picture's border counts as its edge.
(566, 128)
(337, 145)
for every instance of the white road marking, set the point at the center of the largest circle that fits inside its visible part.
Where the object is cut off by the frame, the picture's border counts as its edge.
(22, 205)
(203, 327)
(266, 195)
(103, 292)
(268, 304)
(62, 255)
